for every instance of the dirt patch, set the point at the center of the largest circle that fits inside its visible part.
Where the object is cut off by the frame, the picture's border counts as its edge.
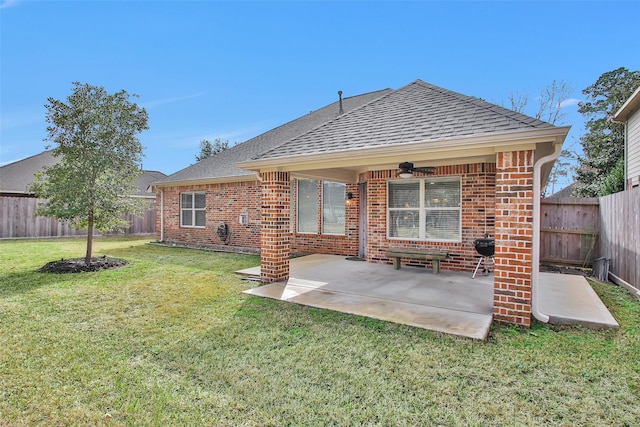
(77, 265)
(563, 269)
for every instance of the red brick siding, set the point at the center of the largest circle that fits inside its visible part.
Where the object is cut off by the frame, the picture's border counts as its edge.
(274, 247)
(327, 243)
(478, 215)
(224, 203)
(514, 231)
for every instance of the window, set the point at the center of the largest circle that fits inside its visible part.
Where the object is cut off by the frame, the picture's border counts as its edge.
(307, 219)
(424, 209)
(333, 207)
(192, 209)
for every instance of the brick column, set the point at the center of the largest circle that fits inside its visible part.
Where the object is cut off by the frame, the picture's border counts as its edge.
(275, 232)
(514, 230)
(377, 214)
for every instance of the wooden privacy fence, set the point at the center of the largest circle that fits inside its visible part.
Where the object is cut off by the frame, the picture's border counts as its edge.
(620, 235)
(569, 230)
(18, 220)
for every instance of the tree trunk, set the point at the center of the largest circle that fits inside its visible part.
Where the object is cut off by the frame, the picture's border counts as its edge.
(87, 257)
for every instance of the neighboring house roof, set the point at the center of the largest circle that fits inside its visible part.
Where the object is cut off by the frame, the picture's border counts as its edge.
(16, 177)
(418, 112)
(144, 181)
(629, 114)
(629, 107)
(565, 192)
(222, 166)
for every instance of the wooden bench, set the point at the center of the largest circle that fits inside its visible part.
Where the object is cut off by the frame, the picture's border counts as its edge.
(433, 255)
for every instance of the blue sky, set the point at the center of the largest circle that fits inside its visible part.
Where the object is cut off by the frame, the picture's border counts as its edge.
(232, 70)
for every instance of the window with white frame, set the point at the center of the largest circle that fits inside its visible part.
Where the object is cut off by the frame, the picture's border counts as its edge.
(424, 209)
(308, 217)
(192, 209)
(333, 207)
(307, 206)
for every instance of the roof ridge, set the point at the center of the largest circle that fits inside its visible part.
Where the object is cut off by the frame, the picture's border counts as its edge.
(418, 111)
(313, 111)
(28, 158)
(224, 164)
(333, 120)
(498, 109)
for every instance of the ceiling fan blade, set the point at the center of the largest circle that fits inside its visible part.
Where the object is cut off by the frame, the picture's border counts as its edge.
(406, 168)
(425, 169)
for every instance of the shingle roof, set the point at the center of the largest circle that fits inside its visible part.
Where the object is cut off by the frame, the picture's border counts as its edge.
(17, 176)
(145, 180)
(418, 112)
(222, 165)
(565, 192)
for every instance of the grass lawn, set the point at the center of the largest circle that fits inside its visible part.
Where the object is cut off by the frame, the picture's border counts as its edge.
(170, 340)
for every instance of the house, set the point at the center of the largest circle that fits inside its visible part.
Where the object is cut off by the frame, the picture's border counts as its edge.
(564, 193)
(18, 204)
(16, 177)
(351, 179)
(629, 114)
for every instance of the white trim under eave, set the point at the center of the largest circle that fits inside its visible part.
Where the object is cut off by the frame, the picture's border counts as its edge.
(204, 181)
(506, 141)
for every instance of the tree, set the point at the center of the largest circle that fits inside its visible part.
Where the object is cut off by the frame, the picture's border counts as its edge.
(603, 143)
(550, 99)
(549, 109)
(99, 153)
(207, 149)
(560, 169)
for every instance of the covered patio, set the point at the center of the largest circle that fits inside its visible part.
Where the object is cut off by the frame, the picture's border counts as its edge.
(449, 302)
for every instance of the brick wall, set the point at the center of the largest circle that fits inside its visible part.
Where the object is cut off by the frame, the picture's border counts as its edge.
(274, 247)
(224, 203)
(478, 215)
(345, 245)
(514, 231)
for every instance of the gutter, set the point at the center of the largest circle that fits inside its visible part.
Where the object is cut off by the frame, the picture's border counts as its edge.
(162, 214)
(380, 153)
(535, 244)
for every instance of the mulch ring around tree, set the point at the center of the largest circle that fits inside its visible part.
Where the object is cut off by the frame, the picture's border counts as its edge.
(77, 265)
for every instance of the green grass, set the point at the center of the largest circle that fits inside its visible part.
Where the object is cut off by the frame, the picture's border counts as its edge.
(171, 340)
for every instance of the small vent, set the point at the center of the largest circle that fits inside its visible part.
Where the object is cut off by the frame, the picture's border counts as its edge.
(244, 219)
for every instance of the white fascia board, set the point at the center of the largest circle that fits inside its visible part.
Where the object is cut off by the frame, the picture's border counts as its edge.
(422, 151)
(336, 175)
(628, 108)
(204, 181)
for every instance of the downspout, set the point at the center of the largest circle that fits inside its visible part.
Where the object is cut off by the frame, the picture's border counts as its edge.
(535, 244)
(162, 214)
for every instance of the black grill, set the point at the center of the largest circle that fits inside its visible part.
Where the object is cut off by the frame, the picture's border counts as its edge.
(485, 247)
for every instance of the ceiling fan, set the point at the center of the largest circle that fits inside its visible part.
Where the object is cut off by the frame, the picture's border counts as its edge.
(407, 170)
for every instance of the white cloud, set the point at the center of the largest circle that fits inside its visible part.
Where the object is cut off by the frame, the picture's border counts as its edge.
(569, 102)
(5, 4)
(171, 100)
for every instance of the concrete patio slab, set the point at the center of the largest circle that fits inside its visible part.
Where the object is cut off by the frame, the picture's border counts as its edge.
(448, 302)
(570, 300)
(471, 325)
